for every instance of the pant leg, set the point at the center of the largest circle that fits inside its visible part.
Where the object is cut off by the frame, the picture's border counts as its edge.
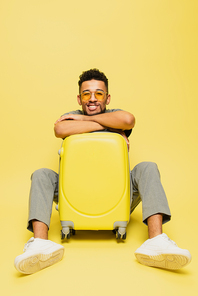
(147, 187)
(44, 189)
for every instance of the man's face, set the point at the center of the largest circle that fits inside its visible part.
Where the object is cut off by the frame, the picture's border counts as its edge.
(93, 106)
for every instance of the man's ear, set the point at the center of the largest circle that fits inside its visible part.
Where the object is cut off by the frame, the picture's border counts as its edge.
(108, 99)
(79, 100)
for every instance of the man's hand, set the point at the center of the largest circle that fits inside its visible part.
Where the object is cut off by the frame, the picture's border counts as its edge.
(72, 124)
(71, 117)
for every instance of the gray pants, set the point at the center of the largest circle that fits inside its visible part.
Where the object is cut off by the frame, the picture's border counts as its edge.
(145, 183)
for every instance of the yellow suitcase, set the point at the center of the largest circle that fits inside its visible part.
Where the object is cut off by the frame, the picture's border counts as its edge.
(94, 183)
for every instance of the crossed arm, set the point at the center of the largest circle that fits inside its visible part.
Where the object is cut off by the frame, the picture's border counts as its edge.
(72, 124)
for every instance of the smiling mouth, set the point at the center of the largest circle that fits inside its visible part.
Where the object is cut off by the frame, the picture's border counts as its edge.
(92, 107)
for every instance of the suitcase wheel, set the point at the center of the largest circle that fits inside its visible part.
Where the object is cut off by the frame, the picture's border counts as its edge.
(62, 235)
(68, 235)
(120, 233)
(124, 236)
(73, 231)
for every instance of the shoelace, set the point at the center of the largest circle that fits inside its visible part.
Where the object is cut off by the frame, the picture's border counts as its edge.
(171, 241)
(28, 244)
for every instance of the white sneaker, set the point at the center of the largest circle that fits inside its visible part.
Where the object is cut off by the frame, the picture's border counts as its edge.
(38, 254)
(162, 252)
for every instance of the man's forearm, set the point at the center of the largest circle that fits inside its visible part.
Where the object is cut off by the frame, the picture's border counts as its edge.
(67, 128)
(117, 120)
(71, 124)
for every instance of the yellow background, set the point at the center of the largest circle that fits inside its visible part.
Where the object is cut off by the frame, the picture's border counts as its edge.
(148, 50)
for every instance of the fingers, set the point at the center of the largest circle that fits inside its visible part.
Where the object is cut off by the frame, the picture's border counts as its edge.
(72, 117)
(64, 117)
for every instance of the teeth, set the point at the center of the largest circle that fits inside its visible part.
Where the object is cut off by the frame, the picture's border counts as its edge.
(92, 107)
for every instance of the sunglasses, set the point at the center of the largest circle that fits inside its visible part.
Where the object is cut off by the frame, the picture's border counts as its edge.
(86, 95)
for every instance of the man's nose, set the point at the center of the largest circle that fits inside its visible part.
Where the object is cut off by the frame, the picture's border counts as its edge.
(93, 98)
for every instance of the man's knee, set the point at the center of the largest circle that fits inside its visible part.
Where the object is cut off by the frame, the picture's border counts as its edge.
(148, 166)
(146, 170)
(42, 173)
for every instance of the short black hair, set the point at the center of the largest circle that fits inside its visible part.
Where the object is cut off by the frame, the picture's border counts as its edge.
(92, 74)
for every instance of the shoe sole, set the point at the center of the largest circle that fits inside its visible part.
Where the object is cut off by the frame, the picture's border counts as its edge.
(37, 262)
(167, 261)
